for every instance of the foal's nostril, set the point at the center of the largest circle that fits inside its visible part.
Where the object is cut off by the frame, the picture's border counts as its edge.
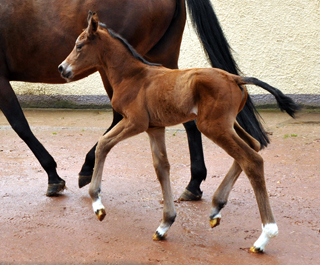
(60, 68)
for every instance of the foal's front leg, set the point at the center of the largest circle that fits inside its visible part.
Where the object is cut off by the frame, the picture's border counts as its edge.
(162, 168)
(86, 172)
(123, 130)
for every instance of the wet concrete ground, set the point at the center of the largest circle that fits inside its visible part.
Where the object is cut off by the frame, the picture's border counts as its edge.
(35, 229)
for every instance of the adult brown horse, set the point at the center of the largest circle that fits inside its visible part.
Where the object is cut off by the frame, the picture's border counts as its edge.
(150, 97)
(35, 36)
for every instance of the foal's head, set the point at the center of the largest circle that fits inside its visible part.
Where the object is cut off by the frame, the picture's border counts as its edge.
(85, 54)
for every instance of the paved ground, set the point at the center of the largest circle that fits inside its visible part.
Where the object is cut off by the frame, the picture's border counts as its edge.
(35, 229)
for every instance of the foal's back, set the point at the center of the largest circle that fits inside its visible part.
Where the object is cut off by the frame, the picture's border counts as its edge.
(176, 96)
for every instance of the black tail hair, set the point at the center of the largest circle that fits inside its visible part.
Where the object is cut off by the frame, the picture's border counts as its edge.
(209, 31)
(284, 102)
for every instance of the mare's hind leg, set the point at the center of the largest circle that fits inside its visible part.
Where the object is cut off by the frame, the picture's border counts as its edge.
(220, 197)
(162, 168)
(252, 164)
(13, 112)
(123, 130)
(198, 167)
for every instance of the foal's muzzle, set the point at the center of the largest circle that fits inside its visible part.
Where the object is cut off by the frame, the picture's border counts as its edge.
(65, 70)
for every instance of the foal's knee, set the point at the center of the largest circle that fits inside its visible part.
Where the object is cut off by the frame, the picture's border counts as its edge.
(161, 166)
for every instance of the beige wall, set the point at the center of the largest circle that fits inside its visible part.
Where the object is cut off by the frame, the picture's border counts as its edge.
(276, 41)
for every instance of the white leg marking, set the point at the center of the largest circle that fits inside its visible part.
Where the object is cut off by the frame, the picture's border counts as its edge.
(162, 229)
(212, 211)
(97, 205)
(268, 231)
(218, 215)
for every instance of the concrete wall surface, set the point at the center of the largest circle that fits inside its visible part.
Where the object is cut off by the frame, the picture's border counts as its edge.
(275, 41)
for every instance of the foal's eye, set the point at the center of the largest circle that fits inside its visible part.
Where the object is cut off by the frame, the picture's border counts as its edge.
(79, 47)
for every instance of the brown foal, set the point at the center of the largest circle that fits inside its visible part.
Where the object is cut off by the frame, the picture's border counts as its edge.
(150, 97)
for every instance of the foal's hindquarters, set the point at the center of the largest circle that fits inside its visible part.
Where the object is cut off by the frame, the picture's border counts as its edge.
(218, 124)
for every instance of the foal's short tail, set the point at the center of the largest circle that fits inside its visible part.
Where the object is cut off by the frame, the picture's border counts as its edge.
(285, 103)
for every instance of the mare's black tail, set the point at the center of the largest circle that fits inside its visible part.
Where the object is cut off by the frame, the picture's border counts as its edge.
(285, 103)
(217, 49)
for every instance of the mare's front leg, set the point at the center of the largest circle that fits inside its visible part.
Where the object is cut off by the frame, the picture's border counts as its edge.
(198, 167)
(123, 130)
(162, 168)
(11, 109)
(86, 172)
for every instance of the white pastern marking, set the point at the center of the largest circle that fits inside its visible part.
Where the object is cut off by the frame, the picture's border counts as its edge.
(97, 205)
(268, 231)
(162, 229)
(218, 215)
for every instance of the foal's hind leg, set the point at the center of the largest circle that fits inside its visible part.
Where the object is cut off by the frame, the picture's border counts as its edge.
(252, 164)
(162, 168)
(269, 226)
(220, 197)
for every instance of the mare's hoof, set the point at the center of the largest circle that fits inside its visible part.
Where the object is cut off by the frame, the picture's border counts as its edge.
(101, 213)
(189, 196)
(84, 180)
(55, 188)
(158, 237)
(256, 250)
(215, 222)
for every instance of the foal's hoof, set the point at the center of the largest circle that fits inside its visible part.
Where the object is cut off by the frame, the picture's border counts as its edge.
(189, 196)
(84, 180)
(256, 250)
(54, 188)
(101, 213)
(158, 237)
(215, 222)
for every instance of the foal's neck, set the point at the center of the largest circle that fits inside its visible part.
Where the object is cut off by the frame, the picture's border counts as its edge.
(118, 61)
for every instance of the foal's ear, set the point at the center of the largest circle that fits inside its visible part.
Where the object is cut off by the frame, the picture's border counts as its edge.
(93, 23)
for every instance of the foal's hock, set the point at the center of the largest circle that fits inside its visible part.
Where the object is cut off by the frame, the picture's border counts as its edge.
(150, 97)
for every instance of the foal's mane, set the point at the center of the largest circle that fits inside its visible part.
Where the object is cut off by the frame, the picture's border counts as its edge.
(134, 53)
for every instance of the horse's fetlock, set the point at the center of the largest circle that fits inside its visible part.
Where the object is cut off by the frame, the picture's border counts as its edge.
(94, 193)
(198, 172)
(170, 217)
(218, 203)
